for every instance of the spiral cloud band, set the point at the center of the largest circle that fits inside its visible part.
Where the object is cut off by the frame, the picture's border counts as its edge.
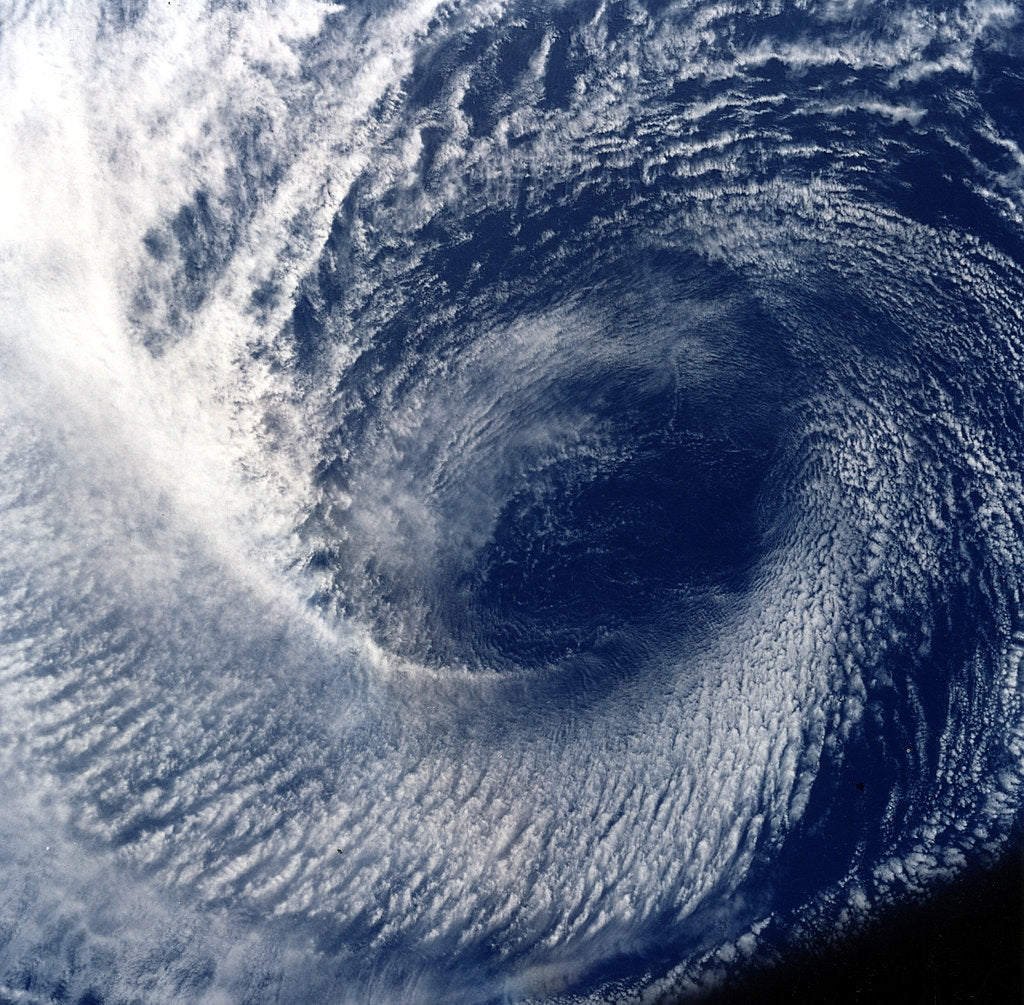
(502, 501)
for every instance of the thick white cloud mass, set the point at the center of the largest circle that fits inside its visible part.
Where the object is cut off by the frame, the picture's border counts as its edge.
(476, 477)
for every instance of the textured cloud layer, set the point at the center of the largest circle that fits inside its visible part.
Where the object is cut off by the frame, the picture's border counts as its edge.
(481, 482)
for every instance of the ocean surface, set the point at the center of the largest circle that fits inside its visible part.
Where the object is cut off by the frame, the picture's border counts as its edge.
(504, 502)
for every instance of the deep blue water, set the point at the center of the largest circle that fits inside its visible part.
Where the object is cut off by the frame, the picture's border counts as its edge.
(509, 502)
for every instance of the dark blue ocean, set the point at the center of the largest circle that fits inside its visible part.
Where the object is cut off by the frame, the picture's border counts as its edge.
(511, 502)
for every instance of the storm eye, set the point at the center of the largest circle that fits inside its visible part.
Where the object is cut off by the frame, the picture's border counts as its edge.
(586, 498)
(609, 565)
